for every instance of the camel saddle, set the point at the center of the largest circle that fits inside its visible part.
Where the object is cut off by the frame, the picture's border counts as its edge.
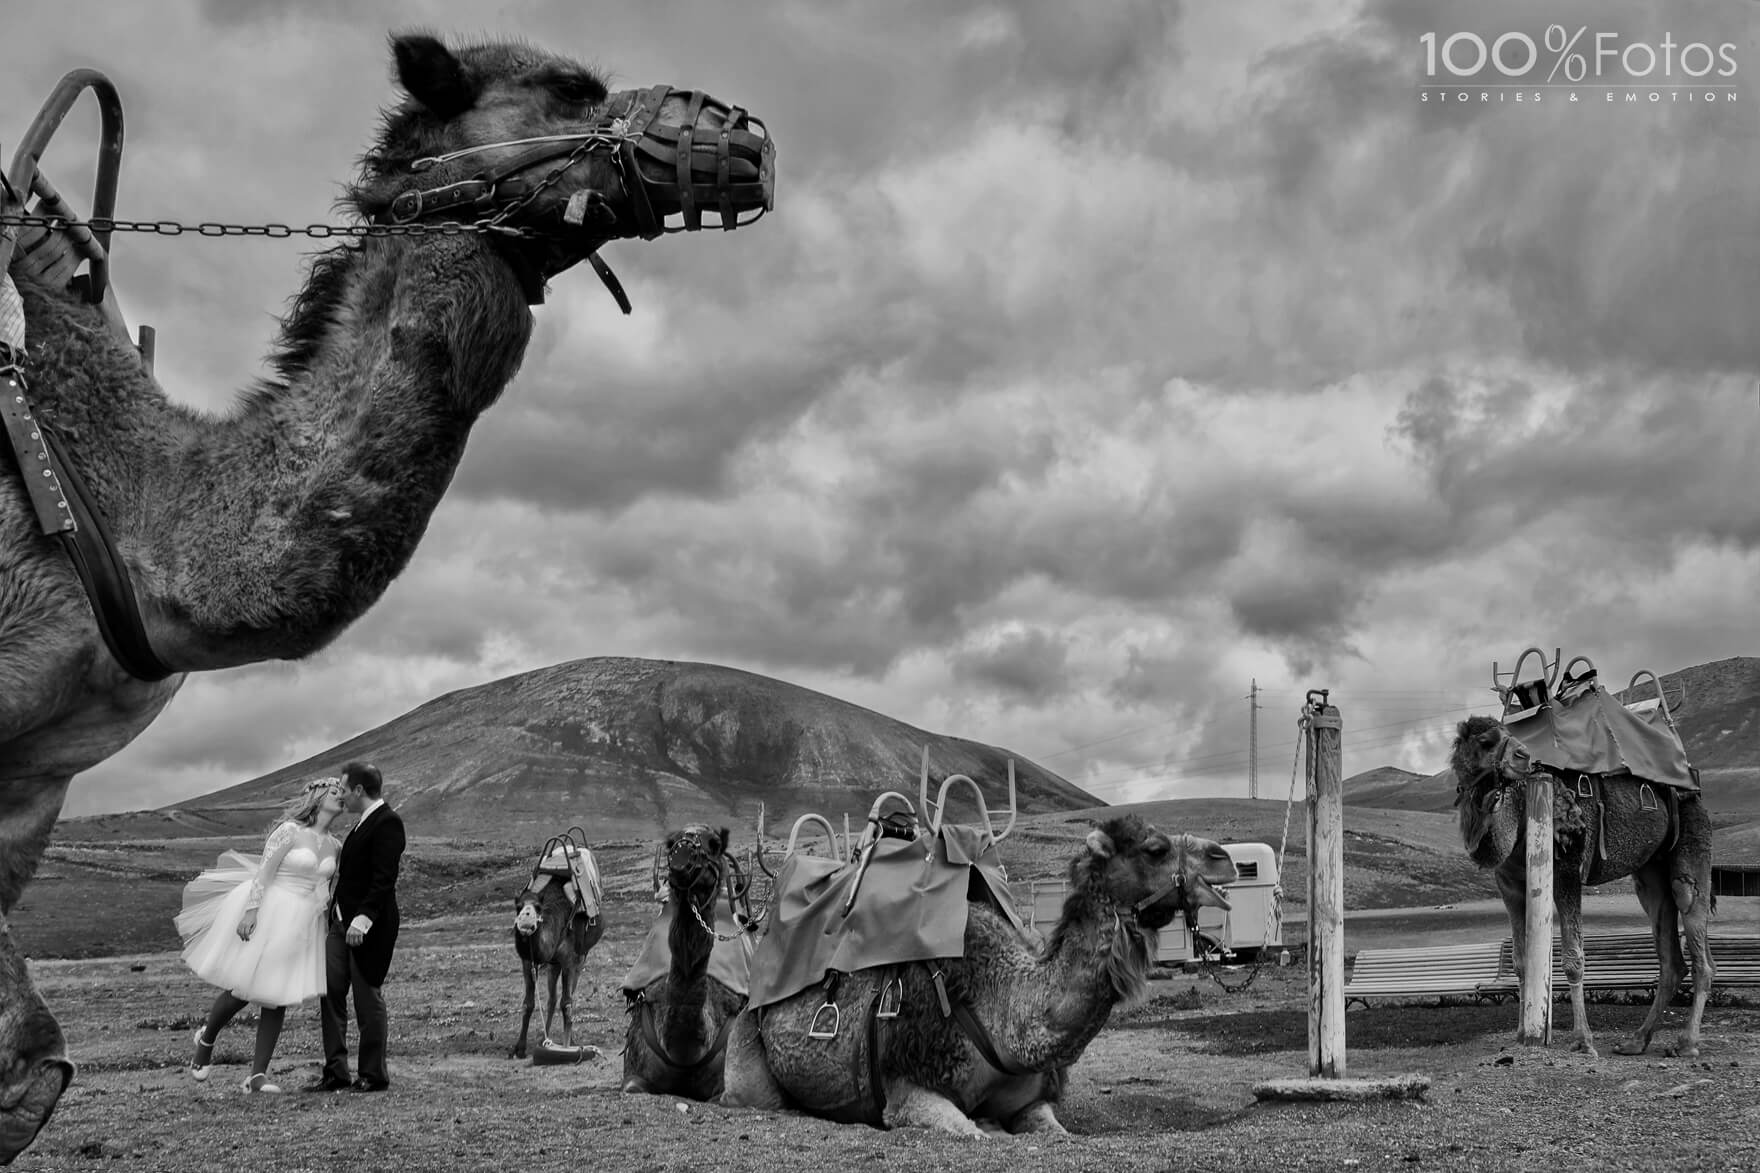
(574, 866)
(911, 907)
(730, 962)
(1584, 730)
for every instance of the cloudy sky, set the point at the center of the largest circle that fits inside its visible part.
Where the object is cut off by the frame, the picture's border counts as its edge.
(1096, 361)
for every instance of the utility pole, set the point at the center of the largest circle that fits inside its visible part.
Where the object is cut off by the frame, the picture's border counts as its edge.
(1253, 740)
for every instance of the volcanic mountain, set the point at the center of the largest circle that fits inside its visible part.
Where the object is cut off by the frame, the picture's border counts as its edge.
(629, 748)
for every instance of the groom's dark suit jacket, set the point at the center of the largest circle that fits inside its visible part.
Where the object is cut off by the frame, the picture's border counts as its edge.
(366, 882)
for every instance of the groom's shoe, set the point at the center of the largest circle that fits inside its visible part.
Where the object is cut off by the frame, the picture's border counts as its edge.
(329, 1083)
(363, 1084)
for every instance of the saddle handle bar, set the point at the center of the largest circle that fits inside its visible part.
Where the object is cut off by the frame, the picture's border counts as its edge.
(1668, 710)
(23, 176)
(819, 820)
(936, 810)
(1515, 674)
(1575, 660)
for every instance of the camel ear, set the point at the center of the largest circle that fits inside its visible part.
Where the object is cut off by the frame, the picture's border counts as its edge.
(1100, 843)
(726, 839)
(432, 75)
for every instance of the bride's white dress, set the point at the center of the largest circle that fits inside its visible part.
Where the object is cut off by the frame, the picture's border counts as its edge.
(283, 962)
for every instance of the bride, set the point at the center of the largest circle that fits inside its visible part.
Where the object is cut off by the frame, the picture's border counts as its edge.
(255, 928)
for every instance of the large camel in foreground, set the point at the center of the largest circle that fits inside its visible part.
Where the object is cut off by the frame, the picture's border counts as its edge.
(264, 533)
(1670, 866)
(1039, 1007)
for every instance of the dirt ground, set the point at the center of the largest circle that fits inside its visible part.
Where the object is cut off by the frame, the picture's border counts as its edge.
(1169, 1086)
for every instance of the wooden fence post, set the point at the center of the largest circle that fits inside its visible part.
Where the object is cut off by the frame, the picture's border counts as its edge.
(1536, 977)
(1326, 1058)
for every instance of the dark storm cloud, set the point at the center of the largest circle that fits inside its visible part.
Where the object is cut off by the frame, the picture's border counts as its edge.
(1027, 665)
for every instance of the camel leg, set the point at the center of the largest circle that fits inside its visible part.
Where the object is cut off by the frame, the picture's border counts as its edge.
(34, 1070)
(747, 1081)
(549, 999)
(908, 1105)
(1512, 887)
(525, 1021)
(1651, 882)
(1567, 899)
(568, 968)
(1690, 885)
(1036, 1117)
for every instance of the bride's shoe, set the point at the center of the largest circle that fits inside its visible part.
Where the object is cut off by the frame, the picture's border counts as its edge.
(259, 1084)
(200, 1070)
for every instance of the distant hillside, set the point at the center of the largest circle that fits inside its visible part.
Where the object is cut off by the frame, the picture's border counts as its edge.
(1391, 788)
(624, 748)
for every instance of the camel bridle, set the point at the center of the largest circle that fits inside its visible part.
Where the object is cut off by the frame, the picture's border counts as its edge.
(663, 170)
(699, 857)
(1508, 764)
(1176, 884)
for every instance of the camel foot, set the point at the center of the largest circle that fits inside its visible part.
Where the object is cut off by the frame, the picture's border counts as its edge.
(1634, 1047)
(1037, 1117)
(1585, 1047)
(636, 1086)
(1683, 1049)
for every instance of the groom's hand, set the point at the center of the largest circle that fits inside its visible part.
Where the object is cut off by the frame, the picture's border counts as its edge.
(355, 936)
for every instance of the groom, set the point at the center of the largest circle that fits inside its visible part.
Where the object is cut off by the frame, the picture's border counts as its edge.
(363, 931)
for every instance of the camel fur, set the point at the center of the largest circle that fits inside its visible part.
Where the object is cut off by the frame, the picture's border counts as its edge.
(551, 934)
(1670, 866)
(688, 1009)
(1040, 1003)
(264, 532)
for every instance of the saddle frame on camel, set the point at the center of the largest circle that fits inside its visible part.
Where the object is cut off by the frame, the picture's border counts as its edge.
(896, 904)
(1566, 724)
(566, 858)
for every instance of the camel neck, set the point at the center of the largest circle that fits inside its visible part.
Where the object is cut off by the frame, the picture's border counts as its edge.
(263, 534)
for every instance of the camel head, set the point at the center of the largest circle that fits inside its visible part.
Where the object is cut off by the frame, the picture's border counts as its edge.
(1488, 766)
(510, 130)
(526, 914)
(1141, 870)
(696, 859)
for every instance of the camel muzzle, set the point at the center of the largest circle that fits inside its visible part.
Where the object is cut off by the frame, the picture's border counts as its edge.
(716, 158)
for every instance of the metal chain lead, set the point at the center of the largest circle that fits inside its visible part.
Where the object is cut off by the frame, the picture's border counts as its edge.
(96, 224)
(1273, 910)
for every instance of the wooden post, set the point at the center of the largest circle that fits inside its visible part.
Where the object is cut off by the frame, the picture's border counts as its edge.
(1536, 977)
(1326, 1057)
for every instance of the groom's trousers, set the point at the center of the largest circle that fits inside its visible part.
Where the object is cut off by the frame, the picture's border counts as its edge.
(343, 977)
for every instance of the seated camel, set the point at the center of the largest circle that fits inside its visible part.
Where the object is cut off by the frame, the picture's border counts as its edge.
(689, 980)
(948, 1042)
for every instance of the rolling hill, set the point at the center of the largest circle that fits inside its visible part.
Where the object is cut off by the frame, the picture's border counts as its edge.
(623, 747)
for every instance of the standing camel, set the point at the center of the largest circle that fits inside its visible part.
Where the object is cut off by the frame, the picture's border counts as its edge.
(550, 932)
(262, 534)
(1596, 840)
(678, 1021)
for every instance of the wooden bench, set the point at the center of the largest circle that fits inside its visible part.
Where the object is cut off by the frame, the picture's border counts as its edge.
(1627, 961)
(1439, 971)
(1486, 972)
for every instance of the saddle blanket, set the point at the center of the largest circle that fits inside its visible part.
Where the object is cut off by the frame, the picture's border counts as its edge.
(911, 906)
(578, 871)
(1588, 731)
(730, 962)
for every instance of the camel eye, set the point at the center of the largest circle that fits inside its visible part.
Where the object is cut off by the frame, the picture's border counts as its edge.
(1158, 849)
(579, 89)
